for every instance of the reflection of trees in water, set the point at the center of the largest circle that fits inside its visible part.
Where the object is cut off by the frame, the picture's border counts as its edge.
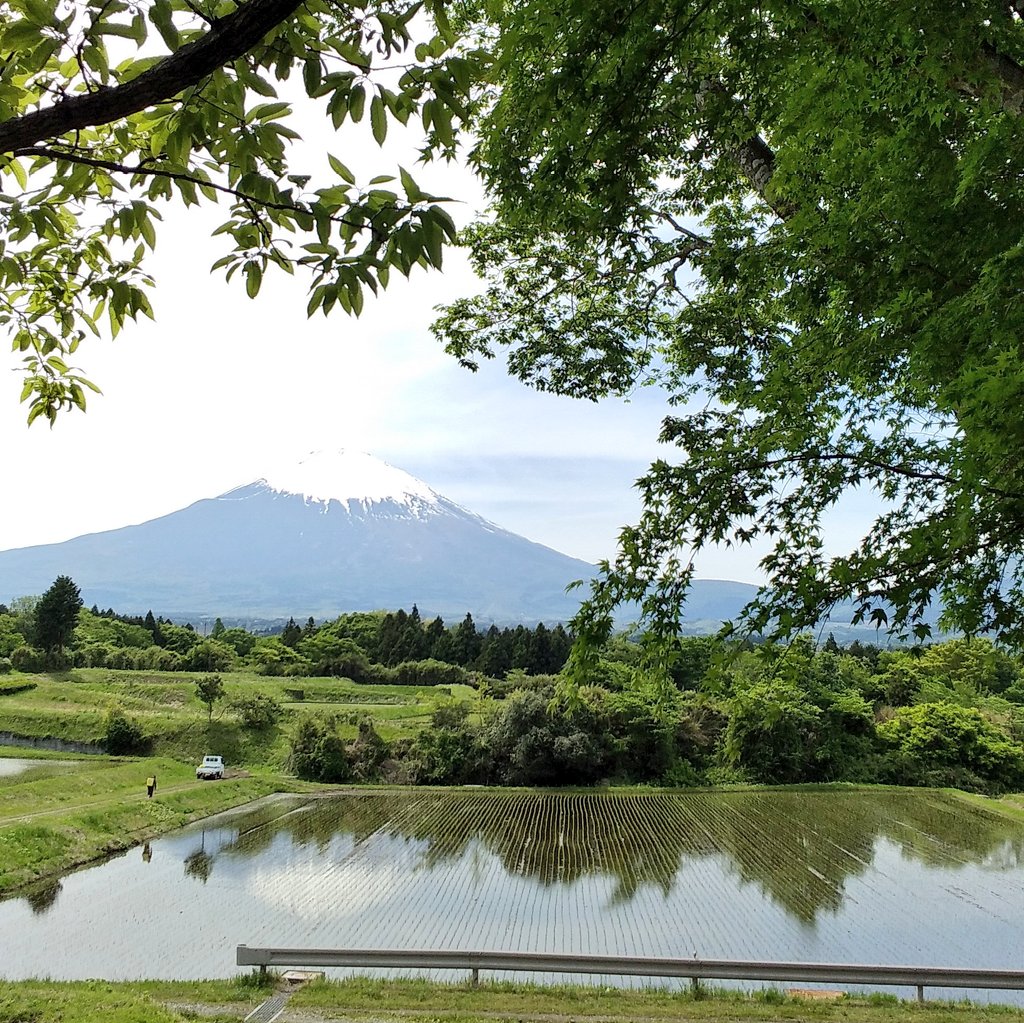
(43, 896)
(199, 864)
(799, 847)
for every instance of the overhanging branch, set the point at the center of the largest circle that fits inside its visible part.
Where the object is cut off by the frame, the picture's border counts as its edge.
(230, 37)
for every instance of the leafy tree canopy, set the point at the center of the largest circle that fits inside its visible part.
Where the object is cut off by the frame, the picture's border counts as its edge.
(803, 222)
(109, 108)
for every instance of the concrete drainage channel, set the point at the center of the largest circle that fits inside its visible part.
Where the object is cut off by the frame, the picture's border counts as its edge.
(269, 1010)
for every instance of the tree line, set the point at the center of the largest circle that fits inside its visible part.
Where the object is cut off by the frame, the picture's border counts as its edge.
(55, 631)
(716, 711)
(950, 714)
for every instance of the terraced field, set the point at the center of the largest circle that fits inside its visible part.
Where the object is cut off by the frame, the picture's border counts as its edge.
(823, 875)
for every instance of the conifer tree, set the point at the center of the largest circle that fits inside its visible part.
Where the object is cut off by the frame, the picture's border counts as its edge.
(56, 615)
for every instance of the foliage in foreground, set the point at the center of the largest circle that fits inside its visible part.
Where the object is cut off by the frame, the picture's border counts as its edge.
(185, 108)
(800, 221)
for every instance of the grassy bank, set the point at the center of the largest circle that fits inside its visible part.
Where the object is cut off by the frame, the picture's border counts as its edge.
(422, 1002)
(51, 823)
(72, 706)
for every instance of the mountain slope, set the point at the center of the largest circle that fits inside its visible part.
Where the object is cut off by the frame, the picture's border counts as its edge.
(337, 532)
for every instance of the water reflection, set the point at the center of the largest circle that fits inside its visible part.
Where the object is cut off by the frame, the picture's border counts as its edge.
(841, 876)
(41, 898)
(800, 848)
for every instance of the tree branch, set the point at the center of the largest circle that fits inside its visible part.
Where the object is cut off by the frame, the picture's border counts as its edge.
(230, 37)
(860, 459)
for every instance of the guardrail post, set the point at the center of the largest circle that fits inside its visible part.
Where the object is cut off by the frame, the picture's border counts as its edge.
(920, 992)
(474, 977)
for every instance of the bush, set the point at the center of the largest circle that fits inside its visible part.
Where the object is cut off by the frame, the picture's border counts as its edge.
(530, 746)
(428, 673)
(773, 732)
(317, 752)
(941, 743)
(123, 736)
(20, 687)
(367, 752)
(6, 666)
(28, 658)
(258, 710)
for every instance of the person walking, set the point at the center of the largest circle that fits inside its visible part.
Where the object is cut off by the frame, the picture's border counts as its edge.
(150, 785)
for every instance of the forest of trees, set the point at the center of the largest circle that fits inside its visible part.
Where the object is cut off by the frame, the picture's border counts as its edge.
(949, 713)
(375, 646)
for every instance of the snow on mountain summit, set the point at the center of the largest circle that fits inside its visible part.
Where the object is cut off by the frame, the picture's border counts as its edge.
(349, 476)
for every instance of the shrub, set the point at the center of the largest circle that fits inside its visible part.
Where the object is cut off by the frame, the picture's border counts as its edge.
(530, 746)
(773, 732)
(317, 752)
(450, 752)
(941, 743)
(367, 752)
(19, 687)
(258, 710)
(6, 666)
(428, 673)
(28, 658)
(123, 735)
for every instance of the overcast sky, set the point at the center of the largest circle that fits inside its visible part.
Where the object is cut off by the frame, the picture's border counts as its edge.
(220, 387)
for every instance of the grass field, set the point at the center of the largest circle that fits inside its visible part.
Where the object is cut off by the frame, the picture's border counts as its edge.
(413, 1001)
(73, 707)
(50, 823)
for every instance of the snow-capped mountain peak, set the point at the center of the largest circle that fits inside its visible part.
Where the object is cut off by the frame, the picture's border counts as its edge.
(349, 477)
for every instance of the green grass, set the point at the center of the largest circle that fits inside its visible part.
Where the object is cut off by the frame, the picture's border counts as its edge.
(416, 1001)
(523, 1001)
(72, 706)
(52, 824)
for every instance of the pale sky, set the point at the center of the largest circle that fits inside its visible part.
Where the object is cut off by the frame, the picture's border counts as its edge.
(221, 387)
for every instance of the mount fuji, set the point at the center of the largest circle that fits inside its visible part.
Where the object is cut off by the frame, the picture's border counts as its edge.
(339, 531)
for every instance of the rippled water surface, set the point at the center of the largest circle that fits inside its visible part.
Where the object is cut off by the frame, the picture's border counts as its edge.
(826, 876)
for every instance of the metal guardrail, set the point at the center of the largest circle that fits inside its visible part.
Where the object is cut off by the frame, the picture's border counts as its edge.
(636, 966)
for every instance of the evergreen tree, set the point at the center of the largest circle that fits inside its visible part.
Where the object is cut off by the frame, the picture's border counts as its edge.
(56, 615)
(434, 632)
(153, 626)
(540, 651)
(291, 634)
(218, 629)
(467, 642)
(494, 653)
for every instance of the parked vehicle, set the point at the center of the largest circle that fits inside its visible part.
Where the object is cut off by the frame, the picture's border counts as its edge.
(210, 768)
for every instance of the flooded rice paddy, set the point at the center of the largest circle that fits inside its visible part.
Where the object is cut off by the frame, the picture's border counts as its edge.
(826, 876)
(28, 769)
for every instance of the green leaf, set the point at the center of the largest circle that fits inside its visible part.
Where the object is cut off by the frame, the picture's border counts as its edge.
(253, 279)
(378, 120)
(340, 169)
(356, 102)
